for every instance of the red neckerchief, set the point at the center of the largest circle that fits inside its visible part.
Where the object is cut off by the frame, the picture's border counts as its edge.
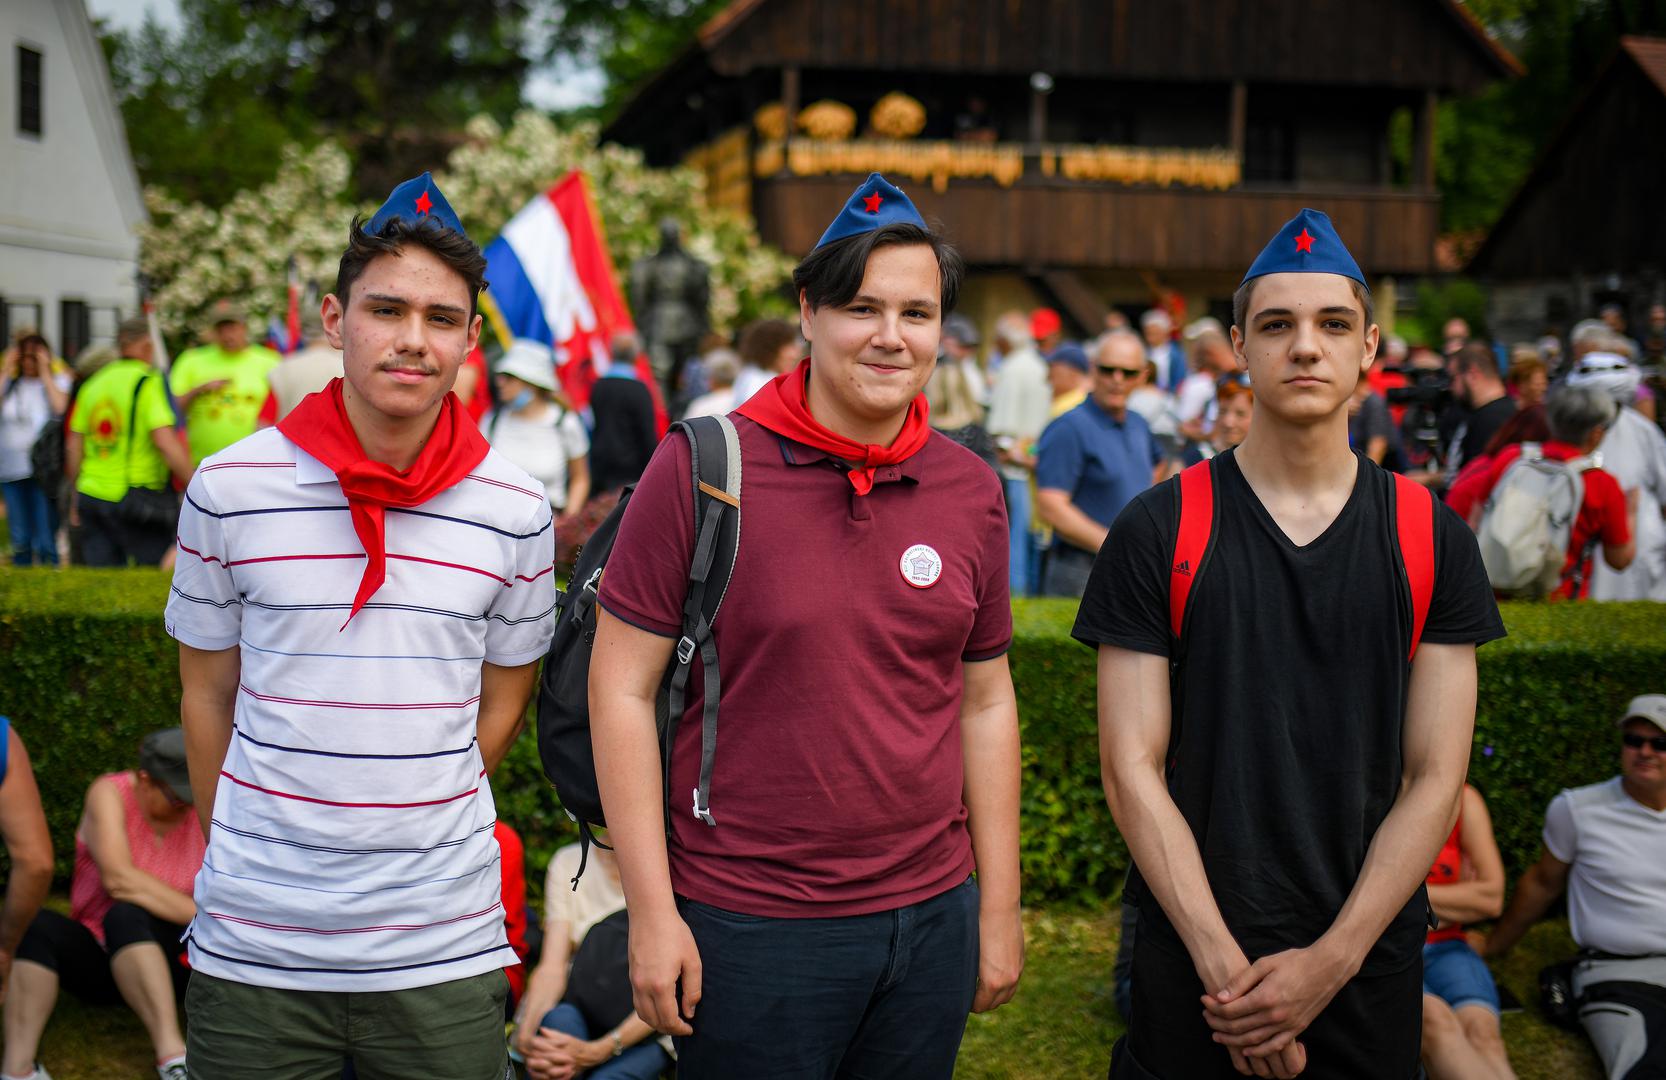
(319, 426)
(780, 406)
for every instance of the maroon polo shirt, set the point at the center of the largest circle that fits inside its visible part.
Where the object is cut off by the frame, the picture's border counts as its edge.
(838, 776)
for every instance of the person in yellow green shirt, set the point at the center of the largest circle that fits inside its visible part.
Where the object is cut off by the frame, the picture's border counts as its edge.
(221, 387)
(121, 435)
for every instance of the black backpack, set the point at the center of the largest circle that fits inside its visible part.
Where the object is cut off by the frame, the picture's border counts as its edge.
(564, 689)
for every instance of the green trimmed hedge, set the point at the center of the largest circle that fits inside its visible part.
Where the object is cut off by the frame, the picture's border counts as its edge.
(86, 670)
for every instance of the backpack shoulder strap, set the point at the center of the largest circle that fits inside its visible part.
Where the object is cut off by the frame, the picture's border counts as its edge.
(714, 450)
(1191, 540)
(1414, 525)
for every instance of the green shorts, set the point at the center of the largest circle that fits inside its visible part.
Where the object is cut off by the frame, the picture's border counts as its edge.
(455, 1030)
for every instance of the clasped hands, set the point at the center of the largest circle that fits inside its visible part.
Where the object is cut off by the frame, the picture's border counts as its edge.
(555, 1055)
(1263, 1007)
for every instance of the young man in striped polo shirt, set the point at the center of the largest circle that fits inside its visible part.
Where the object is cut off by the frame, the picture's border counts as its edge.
(360, 599)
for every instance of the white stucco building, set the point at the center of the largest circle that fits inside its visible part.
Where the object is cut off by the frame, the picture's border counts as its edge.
(70, 203)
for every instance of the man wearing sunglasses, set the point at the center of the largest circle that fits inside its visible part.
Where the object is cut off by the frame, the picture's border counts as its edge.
(1091, 461)
(1605, 844)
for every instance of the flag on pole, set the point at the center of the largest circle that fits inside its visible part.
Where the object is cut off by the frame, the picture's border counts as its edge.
(551, 280)
(294, 306)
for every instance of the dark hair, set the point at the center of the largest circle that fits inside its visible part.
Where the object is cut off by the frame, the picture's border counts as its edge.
(1527, 425)
(761, 341)
(448, 245)
(1241, 300)
(830, 275)
(1476, 356)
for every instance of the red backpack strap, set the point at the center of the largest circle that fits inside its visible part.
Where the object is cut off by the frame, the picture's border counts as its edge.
(1197, 520)
(1414, 522)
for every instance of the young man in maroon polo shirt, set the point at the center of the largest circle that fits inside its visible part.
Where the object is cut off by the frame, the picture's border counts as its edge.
(827, 924)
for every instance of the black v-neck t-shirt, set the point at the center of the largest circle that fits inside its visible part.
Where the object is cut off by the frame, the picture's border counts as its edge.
(1289, 694)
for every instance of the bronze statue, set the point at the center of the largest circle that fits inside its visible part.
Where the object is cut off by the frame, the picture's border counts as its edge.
(669, 292)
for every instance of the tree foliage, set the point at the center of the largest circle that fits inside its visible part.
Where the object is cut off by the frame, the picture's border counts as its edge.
(194, 252)
(210, 107)
(631, 41)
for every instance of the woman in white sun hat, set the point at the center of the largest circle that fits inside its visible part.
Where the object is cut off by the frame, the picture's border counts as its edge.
(531, 427)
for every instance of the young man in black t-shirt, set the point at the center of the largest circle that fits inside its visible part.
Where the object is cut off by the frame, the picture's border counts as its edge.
(1283, 772)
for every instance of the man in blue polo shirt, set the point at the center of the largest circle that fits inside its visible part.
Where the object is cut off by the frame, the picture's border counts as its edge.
(1090, 462)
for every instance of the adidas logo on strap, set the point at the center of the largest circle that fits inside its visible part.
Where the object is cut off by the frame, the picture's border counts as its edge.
(1184, 566)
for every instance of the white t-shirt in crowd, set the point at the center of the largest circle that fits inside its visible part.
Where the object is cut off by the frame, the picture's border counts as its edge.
(1157, 406)
(542, 447)
(1617, 848)
(715, 403)
(1021, 402)
(748, 382)
(1634, 453)
(24, 410)
(351, 844)
(1192, 400)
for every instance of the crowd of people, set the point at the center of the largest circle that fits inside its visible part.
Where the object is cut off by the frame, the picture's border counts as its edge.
(851, 892)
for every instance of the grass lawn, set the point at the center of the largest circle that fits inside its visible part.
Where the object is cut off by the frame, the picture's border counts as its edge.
(1061, 1024)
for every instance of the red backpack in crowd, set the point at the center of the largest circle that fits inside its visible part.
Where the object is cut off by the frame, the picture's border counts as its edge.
(1414, 524)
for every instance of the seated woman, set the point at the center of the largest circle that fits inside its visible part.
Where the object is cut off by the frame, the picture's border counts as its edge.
(1461, 1036)
(137, 852)
(562, 1046)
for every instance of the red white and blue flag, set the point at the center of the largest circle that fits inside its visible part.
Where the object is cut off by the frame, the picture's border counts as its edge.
(551, 280)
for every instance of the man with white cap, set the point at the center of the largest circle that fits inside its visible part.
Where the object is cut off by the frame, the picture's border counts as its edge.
(1633, 452)
(1282, 820)
(531, 427)
(1605, 845)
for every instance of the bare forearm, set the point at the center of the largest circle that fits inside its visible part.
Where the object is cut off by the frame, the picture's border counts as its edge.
(26, 890)
(1397, 861)
(135, 886)
(1069, 522)
(172, 449)
(1532, 899)
(504, 693)
(207, 706)
(1467, 901)
(990, 751)
(1166, 853)
(627, 754)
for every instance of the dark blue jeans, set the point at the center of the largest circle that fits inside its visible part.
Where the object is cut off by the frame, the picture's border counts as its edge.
(861, 997)
(32, 522)
(644, 1061)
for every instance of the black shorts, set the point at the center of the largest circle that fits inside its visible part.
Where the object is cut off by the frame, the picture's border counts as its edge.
(60, 943)
(1371, 1030)
(107, 540)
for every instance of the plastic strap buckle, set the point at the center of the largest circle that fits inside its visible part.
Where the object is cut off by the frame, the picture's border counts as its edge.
(686, 649)
(703, 813)
(593, 583)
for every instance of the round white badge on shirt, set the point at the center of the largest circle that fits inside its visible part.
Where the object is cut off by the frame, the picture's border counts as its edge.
(921, 566)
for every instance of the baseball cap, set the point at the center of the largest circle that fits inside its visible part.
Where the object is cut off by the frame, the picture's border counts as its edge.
(1044, 321)
(1069, 354)
(226, 310)
(162, 755)
(1650, 707)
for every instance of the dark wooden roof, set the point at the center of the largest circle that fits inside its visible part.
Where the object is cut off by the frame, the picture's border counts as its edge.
(1400, 44)
(1593, 201)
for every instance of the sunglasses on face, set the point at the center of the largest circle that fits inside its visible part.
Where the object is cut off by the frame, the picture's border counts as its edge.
(1111, 371)
(1634, 741)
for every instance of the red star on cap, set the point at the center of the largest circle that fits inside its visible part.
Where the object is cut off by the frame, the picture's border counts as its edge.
(871, 202)
(1304, 242)
(423, 203)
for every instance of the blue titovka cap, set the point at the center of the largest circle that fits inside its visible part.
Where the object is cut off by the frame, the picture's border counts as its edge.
(875, 204)
(414, 200)
(1307, 244)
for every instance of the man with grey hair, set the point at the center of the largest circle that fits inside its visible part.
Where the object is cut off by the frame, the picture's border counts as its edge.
(1017, 413)
(624, 432)
(1579, 417)
(1161, 349)
(1634, 453)
(722, 366)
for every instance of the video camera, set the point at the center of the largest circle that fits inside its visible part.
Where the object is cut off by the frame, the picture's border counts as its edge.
(1426, 395)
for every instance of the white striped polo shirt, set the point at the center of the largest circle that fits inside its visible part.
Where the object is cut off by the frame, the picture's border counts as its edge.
(351, 847)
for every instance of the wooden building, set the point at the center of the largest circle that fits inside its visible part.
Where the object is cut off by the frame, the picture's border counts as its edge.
(1588, 227)
(1079, 152)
